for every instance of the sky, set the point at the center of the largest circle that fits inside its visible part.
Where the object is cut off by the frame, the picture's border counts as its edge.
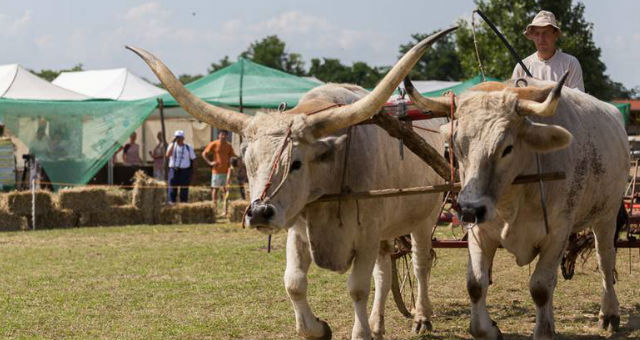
(189, 35)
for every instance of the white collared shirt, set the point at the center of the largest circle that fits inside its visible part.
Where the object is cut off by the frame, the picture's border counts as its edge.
(181, 156)
(553, 69)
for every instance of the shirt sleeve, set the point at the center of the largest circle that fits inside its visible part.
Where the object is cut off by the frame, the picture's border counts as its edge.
(192, 153)
(209, 147)
(574, 79)
(518, 72)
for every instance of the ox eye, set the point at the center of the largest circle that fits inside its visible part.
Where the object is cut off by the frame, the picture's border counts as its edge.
(295, 166)
(507, 150)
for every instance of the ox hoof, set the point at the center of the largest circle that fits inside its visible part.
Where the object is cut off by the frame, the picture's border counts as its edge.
(421, 326)
(326, 332)
(609, 322)
(491, 333)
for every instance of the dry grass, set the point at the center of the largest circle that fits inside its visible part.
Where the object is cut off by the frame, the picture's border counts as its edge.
(236, 210)
(214, 282)
(188, 213)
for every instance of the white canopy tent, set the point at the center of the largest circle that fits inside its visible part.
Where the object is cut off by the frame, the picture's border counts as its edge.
(18, 83)
(116, 84)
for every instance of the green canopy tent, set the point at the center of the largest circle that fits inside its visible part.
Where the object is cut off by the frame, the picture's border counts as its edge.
(247, 84)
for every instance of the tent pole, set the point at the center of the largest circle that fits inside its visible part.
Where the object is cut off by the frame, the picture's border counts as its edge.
(164, 137)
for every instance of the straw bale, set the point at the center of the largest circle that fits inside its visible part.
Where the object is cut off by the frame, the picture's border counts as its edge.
(118, 196)
(115, 216)
(188, 213)
(199, 194)
(19, 202)
(236, 210)
(83, 199)
(12, 222)
(58, 218)
(148, 195)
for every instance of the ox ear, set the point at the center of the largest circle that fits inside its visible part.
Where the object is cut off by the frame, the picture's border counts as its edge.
(326, 148)
(546, 138)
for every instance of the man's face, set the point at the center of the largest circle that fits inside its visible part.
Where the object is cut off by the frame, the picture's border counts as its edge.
(544, 38)
(222, 136)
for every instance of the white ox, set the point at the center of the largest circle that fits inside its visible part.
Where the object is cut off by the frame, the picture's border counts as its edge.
(497, 133)
(335, 236)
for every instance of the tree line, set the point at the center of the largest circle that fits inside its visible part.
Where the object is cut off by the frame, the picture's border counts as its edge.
(453, 57)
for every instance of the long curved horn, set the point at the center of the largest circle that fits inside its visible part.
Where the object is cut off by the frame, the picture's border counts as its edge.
(326, 122)
(545, 109)
(213, 115)
(440, 105)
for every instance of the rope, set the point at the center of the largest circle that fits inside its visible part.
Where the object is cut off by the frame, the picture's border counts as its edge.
(475, 43)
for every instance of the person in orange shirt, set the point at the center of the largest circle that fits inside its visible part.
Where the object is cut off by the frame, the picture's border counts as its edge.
(222, 152)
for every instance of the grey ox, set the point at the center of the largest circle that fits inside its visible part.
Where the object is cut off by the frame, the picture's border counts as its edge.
(497, 132)
(309, 153)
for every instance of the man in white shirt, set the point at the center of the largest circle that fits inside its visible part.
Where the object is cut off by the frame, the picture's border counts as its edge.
(181, 165)
(549, 63)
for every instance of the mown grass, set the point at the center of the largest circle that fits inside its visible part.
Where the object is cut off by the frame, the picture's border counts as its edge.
(213, 282)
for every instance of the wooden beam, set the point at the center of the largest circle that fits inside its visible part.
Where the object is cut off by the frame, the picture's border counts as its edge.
(384, 193)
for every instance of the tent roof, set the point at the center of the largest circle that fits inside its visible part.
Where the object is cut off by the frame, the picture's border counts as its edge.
(18, 83)
(262, 87)
(116, 84)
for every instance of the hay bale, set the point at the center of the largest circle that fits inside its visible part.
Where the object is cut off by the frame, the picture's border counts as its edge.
(199, 194)
(114, 216)
(236, 210)
(12, 222)
(19, 202)
(188, 213)
(118, 196)
(58, 218)
(83, 199)
(148, 195)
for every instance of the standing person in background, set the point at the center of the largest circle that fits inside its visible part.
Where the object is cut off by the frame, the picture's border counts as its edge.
(233, 186)
(548, 62)
(158, 158)
(131, 151)
(222, 153)
(181, 167)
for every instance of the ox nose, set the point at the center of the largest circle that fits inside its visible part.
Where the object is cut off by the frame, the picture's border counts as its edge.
(260, 214)
(471, 213)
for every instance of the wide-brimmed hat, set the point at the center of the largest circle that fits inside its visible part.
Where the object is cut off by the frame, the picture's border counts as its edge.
(542, 19)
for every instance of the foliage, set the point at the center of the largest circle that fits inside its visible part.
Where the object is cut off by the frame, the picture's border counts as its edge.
(50, 75)
(332, 70)
(187, 78)
(271, 52)
(511, 17)
(224, 62)
(440, 62)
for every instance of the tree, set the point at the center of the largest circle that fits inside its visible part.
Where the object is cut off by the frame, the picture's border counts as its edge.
(440, 62)
(512, 17)
(224, 62)
(332, 70)
(271, 52)
(187, 78)
(50, 75)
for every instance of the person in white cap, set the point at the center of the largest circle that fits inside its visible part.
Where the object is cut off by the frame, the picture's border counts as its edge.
(549, 63)
(181, 167)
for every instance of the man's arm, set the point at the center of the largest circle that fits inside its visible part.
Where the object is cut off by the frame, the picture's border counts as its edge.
(170, 150)
(574, 79)
(206, 152)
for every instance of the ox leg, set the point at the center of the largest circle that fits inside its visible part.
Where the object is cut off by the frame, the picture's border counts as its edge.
(382, 279)
(481, 252)
(359, 286)
(295, 281)
(543, 283)
(422, 260)
(609, 316)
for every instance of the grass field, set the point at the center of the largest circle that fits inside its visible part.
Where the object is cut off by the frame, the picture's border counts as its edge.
(213, 282)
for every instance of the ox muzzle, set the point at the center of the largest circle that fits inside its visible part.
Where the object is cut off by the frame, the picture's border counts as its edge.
(260, 215)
